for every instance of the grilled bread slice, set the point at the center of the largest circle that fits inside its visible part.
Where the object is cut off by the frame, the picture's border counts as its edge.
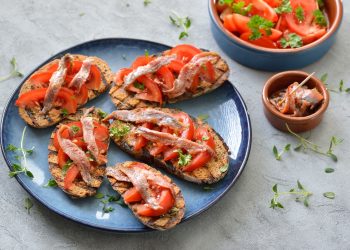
(124, 99)
(33, 117)
(79, 189)
(210, 173)
(164, 222)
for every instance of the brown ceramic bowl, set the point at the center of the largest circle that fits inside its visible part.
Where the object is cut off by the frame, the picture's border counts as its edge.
(296, 124)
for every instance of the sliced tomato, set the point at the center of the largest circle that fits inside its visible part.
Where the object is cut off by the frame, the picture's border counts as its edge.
(313, 36)
(160, 147)
(185, 52)
(79, 141)
(281, 24)
(166, 201)
(102, 146)
(71, 175)
(67, 135)
(273, 3)
(187, 133)
(62, 158)
(305, 27)
(194, 84)
(153, 92)
(220, 7)
(263, 41)
(141, 61)
(198, 161)
(119, 76)
(264, 10)
(42, 78)
(94, 80)
(240, 22)
(83, 96)
(166, 76)
(141, 141)
(132, 195)
(208, 71)
(229, 23)
(64, 96)
(101, 132)
(176, 66)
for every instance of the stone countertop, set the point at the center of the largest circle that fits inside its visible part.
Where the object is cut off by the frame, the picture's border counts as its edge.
(34, 30)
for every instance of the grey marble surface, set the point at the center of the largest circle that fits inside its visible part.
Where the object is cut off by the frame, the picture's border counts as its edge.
(33, 30)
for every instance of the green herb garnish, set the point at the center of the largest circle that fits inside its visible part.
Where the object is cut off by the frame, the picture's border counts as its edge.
(66, 166)
(28, 204)
(146, 2)
(146, 52)
(329, 170)
(184, 159)
(184, 22)
(99, 195)
(320, 4)
(101, 113)
(300, 14)
(139, 85)
(224, 168)
(278, 155)
(258, 24)
(306, 145)
(64, 112)
(320, 18)
(75, 129)
(203, 117)
(292, 41)
(241, 9)
(17, 168)
(208, 188)
(119, 131)
(14, 71)
(205, 138)
(284, 7)
(51, 183)
(301, 193)
(329, 195)
(324, 78)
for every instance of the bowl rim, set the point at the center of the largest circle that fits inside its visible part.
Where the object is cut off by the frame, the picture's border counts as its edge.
(331, 30)
(292, 119)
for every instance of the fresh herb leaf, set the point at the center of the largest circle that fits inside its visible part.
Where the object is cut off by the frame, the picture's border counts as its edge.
(292, 41)
(347, 90)
(341, 85)
(224, 168)
(329, 195)
(329, 170)
(184, 159)
(14, 71)
(306, 145)
(99, 195)
(75, 129)
(101, 113)
(11, 147)
(278, 155)
(300, 13)
(64, 112)
(66, 166)
(121, 202)
(284, 7)
(320, 18)
(107, 209)
(146, 52)
(324, 77)
(139, 85)
(146, 2)
(51, 183)
(205, 138)
(208, 188)
(301, 193)
(119, 131)
(258, 24)
(28, 204)
(203, 117)
(320, 4)
(81, 14)
(241, 9)
(228, 2)
(184, 22)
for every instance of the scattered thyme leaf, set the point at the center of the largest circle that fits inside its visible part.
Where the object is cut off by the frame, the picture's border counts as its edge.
(324, 77)
(203, 117)
(14, 71)
(101, 113)
(28, 204)
(51, 183)
(66, 166)
(208, 188)
(224, 168)
(184, 22)
(278, 155)
(64, 112)
(146, 2)
(205, 138)
(81, 14)
(139, 85)
(329, 170)
(99, 196)
(75, 129)
(329, 195)
(341, 85)
(146, 52)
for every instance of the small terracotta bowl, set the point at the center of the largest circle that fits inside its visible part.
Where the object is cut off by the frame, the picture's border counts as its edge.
(296, 124)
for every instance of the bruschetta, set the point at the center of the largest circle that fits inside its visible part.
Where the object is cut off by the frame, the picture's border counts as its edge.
(60, 87)
(153, 198)
(78, 153)
(169, 138)
(177, 74)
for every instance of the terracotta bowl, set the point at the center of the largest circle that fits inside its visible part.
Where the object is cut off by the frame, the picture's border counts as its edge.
(296, 124)
(276, 59)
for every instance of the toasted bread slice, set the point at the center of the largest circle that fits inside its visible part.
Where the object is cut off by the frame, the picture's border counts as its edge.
(80, 189)
(164, 222)
(33, 116)
(124, 99)
(212, 172)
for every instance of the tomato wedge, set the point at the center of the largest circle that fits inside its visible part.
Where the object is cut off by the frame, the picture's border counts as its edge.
(70, 177)
(263, 41)
(187, 133)
(83, 95)
(141, 61)
(273, 3)
(166, 76)
(132, 195)
(166, 201)
(176, 66)
(208, 71)
(101, 132)
(62, 158)
(240, 22)
(42, 78)
(264, 10)
(64, 96)
(153, 92)
(185, 52)
(160, 147)
(67, 135)
(141, 141)
(119, 76)
(203, 135)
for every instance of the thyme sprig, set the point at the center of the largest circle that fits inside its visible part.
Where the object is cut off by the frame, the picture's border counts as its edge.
(184, 22)
(14, 71)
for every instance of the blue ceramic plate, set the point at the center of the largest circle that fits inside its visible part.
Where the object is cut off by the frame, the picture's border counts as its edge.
(227, 115)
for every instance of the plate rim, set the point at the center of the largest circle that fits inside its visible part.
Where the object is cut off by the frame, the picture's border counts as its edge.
(93, 225)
